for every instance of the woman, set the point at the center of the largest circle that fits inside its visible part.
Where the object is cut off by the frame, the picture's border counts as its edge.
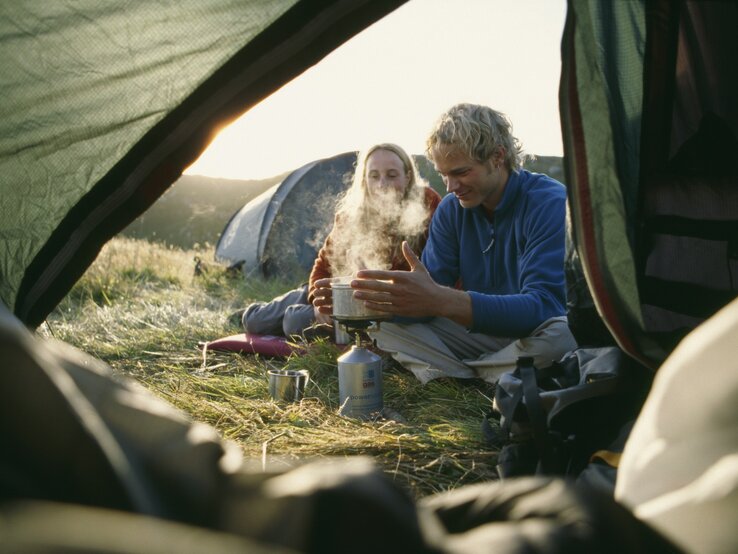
(385, 204)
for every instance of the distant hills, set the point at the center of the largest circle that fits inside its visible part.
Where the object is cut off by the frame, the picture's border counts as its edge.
(195, 209)
(553, 166)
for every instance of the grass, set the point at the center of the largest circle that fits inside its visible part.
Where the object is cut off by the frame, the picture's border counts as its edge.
(141, 309)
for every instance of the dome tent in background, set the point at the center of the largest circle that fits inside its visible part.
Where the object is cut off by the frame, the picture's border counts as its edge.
(279, 233)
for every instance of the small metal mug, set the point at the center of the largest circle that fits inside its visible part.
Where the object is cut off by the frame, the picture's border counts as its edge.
(288, 385)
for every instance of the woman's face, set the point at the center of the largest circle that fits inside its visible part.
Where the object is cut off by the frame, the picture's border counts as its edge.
(385, 173)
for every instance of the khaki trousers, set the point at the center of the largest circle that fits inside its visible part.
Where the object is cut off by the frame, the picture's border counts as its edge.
(443, 348)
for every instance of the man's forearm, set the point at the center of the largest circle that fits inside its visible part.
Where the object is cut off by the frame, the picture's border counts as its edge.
(455, 305)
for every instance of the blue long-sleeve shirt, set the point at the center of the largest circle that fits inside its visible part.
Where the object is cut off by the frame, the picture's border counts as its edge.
(512, 265)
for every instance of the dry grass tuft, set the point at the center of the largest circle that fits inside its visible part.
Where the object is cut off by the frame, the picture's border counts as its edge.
(141, 309)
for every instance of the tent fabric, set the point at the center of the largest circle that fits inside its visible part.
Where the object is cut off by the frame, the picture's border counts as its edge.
(680, 466)
(649, 107)
(591, 127)
(104, 105)
(273, 234)
(689, 185)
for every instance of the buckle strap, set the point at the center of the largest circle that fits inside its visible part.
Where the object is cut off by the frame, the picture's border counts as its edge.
(534, 407)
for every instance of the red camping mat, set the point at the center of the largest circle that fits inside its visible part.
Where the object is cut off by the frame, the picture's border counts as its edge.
(268, 345)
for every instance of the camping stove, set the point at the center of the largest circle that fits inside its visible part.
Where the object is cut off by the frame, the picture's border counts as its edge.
(356, 326)
(359, 373)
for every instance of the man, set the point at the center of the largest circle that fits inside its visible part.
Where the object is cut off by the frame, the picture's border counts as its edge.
(491, 283)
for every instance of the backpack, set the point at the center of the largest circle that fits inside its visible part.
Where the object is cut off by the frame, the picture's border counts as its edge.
(553, 419)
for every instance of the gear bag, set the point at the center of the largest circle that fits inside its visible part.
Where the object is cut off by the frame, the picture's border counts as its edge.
(553, 419)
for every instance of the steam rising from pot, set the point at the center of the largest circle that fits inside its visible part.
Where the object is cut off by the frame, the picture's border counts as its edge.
(368, 233)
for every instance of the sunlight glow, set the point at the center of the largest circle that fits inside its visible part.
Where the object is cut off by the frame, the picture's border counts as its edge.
(390, 83)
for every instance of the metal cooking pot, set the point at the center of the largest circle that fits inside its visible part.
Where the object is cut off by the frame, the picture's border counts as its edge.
(348, 308)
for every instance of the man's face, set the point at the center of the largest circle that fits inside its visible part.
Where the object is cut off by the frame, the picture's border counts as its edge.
(473, 183)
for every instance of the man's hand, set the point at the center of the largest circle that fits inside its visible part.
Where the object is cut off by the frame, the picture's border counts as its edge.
(411, 293)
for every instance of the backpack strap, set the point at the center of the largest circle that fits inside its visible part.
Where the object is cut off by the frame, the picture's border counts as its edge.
(506, 421)
(534, 407)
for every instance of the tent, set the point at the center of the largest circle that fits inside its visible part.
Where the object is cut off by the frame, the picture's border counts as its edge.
(279, 232)
(274, 236)
(649, 107)
(103, 107)
(96, 125)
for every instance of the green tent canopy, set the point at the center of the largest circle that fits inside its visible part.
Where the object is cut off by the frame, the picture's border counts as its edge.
(105, 104)
(649, 107)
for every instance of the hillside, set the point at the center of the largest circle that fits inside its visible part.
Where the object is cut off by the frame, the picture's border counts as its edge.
(195, 209)
(553, 166)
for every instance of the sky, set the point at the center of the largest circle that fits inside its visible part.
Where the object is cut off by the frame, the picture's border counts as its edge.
(391, 82)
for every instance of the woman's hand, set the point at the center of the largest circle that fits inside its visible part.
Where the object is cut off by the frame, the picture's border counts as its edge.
(322, 318)
(323, 300)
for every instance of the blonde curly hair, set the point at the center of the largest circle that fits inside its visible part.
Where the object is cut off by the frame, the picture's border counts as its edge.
(477, 131)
